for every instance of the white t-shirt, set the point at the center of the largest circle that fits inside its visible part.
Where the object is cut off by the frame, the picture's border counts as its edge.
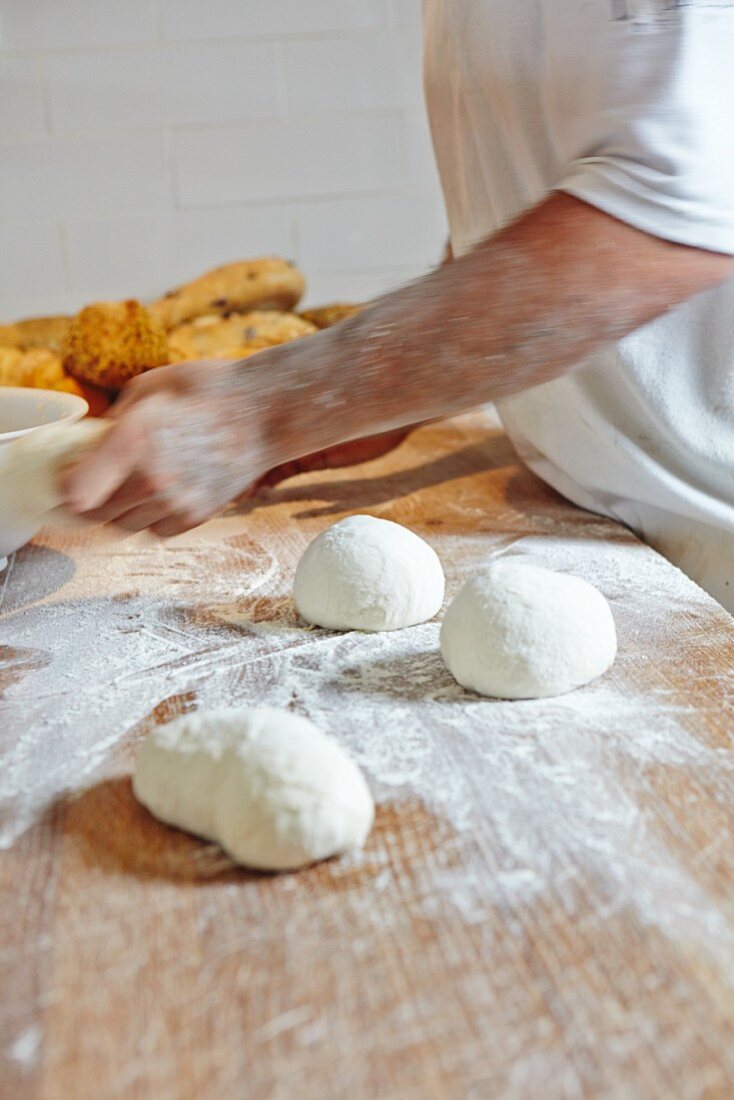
(629, 105)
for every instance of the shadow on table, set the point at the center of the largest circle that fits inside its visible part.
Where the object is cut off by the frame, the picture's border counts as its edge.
(419, 677)
(33, 573)
(258, 615)
(405, 677)
(494, 453)
(545, 508)
(114, 833)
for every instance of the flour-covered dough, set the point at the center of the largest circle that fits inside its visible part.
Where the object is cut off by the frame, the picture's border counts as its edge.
(516, 631)
(29, 469)
(268, 786)
(368, 574)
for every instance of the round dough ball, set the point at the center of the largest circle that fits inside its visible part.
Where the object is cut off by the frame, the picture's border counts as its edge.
(516, 631)
(368, 574)
(268, 786)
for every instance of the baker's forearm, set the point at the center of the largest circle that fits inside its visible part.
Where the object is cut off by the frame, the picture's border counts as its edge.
(523, 308)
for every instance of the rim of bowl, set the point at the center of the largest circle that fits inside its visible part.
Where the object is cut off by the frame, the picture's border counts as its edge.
(70, 406)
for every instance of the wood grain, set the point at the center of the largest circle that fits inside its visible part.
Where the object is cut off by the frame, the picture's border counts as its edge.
(544, 908)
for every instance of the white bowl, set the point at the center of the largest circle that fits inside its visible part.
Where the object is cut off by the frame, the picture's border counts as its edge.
(21, 411)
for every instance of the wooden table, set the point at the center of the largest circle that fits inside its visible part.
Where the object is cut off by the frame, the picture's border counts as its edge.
(544, 908)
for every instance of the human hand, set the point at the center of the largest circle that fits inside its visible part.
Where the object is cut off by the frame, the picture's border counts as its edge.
(185, 439)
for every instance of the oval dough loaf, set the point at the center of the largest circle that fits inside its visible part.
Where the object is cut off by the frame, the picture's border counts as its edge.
(268, 786)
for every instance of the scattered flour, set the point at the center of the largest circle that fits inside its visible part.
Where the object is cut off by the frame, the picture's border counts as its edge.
(551, 781)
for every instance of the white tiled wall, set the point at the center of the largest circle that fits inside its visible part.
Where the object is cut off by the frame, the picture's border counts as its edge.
(146, 140)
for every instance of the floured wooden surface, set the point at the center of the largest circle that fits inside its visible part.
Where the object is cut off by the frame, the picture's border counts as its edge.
(545, 907)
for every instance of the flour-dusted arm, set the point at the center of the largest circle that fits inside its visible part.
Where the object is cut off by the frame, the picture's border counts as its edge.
(522, 308)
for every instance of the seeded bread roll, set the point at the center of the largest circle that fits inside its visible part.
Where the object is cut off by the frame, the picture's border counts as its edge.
(214, 335)
(109, 343)
(269, 283)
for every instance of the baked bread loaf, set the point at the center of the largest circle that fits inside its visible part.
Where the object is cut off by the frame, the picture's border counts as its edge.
(240, 351)
(269, 283)
(326, 316)
(48, 374)
(109, 343)
(213, 335)
(13, 370)
(42, 369)
(35, 332)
